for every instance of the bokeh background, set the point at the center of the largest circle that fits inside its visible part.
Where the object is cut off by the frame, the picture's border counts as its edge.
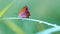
(45, 10)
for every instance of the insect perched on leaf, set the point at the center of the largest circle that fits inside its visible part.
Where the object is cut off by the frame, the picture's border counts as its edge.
(24, 12)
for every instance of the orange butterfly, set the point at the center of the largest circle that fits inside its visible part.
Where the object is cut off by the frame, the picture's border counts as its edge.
(24, 13)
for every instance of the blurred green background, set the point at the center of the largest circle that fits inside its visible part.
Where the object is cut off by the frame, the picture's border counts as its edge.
(45, 10)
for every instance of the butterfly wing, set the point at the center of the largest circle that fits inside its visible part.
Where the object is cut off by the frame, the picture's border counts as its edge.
(24, 13)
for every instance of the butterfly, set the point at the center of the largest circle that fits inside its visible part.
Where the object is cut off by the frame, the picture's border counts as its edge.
(24, 12)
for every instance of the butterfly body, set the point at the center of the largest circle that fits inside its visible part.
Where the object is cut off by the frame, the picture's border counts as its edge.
(24, 13)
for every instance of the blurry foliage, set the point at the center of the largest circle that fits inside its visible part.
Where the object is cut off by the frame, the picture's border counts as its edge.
(46, 10)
